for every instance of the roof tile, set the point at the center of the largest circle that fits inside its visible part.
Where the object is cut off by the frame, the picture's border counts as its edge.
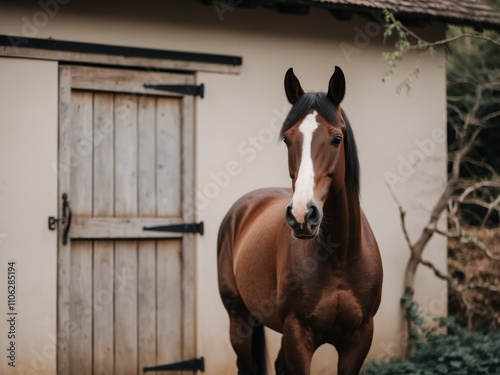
(466, 12)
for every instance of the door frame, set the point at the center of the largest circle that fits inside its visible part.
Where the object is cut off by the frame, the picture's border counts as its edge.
(114, 56)
(188, 281)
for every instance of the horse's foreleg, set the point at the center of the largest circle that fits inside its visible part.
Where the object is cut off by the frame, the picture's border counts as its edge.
(353, 351)
(241, 330)
(299, 347)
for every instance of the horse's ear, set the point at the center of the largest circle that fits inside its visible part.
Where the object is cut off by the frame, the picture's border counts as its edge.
(336, 87)
(292, 87)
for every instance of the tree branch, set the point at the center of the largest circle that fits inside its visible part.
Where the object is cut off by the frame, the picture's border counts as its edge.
(421, 43)
(437, 272)
(402, 214)
(476, 242)
(477, 186)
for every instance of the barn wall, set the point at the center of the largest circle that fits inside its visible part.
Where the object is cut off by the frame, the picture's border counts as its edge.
(238, 121)
(28, 196)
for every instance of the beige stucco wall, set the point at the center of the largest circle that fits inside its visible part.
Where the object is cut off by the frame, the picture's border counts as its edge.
(28, 188)
(238, 120)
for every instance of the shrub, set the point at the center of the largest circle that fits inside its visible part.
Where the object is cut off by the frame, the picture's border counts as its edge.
(457, 352)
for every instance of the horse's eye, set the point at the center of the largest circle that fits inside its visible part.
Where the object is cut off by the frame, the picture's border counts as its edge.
(336, 141)
(286, 141)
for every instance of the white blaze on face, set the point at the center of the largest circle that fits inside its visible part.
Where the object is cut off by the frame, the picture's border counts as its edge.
(304, 185)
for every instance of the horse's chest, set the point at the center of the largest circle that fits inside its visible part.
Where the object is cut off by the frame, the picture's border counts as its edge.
(333, 312)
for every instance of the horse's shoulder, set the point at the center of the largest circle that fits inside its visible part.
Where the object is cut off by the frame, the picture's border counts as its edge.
(257, 199)
(256, 207)
(268, 194)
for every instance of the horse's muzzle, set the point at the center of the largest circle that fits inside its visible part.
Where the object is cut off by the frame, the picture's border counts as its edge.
(309, 226)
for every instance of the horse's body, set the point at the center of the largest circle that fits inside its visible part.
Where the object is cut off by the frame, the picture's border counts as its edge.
(323, 283)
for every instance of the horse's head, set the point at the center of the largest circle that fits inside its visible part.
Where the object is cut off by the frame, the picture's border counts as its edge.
(314, 133)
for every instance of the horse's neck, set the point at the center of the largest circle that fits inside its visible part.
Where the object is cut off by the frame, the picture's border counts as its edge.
(342, 226)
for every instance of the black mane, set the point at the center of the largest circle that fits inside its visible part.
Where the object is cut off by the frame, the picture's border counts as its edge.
(319, 102)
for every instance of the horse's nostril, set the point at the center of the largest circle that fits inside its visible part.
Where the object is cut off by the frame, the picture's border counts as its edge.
(313, 216)
(290, 219)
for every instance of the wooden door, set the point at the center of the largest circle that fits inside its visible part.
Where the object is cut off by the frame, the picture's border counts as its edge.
(125, 295)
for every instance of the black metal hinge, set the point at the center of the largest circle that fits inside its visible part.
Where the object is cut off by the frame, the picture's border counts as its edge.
(190, 365)
(178, 228)
(180, 89)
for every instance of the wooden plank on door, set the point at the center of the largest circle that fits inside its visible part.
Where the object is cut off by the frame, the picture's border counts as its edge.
(126, 320)
(129, 227)
(169, 198)
(125, 327)
(188, 241)
(80, 309)
(82, 147)
(147, 248)
(125, 112)
(147, 156)
(64, 251)
(103, 201)
(168, 270)
(121, 80)
(147, 303)
(103, 285)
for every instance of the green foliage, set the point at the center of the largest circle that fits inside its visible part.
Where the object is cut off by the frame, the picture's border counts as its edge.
(463, 43)
(470, 59)
(417, 323)
(458, 352)
(405, 41)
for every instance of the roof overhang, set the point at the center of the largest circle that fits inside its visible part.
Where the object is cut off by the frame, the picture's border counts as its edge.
(474, 13)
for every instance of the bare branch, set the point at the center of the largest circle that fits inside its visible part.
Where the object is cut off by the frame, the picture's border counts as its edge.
(479, 163)
(492, 85)
(402, 214)
(448, 234)
(476, 242)
(489, 117)
(425, 44)
(463, 151)
(492, 206)
(488, 286)
(437, 272)
(477, 186)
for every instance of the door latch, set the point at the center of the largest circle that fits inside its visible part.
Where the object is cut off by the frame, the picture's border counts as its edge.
(65, 219)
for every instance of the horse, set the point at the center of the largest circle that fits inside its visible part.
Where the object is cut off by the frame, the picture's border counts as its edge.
(303, 261)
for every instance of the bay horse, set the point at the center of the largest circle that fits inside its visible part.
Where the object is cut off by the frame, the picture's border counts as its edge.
(303, 262)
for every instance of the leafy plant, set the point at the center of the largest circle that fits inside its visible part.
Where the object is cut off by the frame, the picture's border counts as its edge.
(406, 40)
(445, 348)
